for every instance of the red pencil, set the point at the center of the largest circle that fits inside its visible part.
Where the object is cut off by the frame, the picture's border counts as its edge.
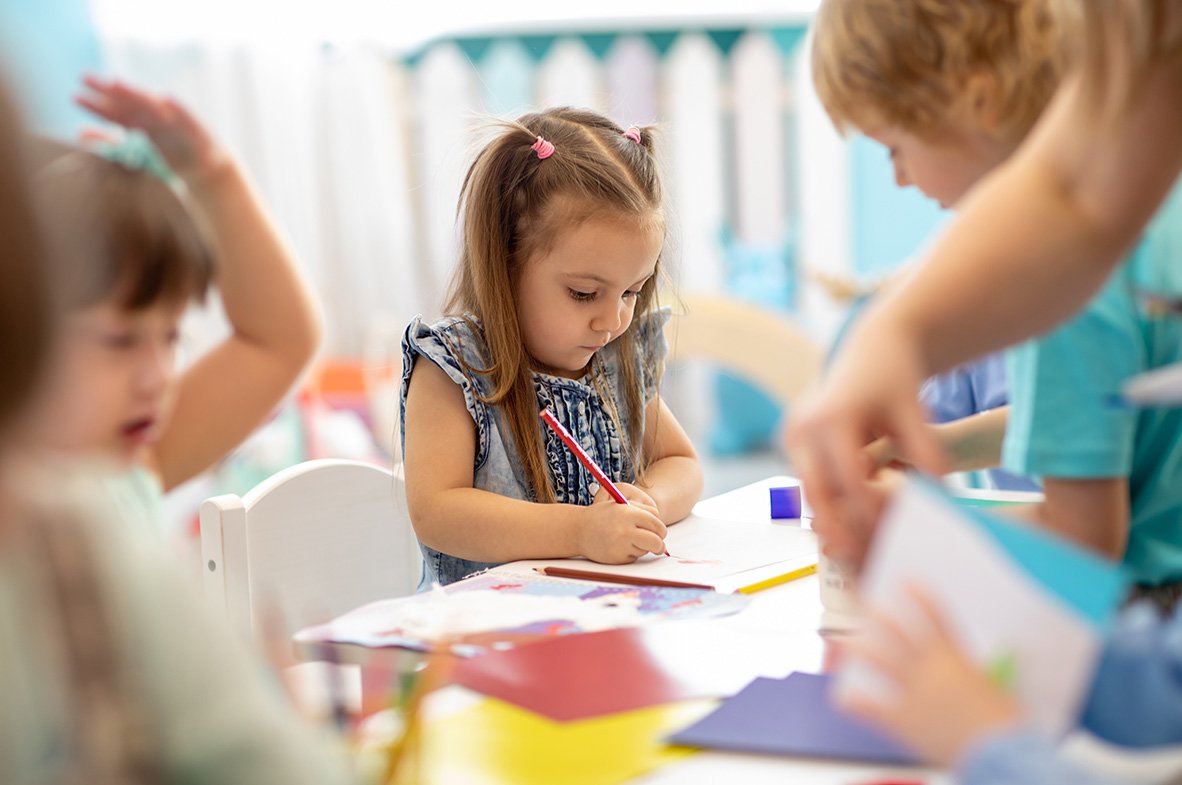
(585, 459)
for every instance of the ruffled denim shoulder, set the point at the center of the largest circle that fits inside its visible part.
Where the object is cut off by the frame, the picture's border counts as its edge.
(456, 345)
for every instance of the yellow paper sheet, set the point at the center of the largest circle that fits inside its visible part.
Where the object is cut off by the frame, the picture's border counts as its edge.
(492, 742)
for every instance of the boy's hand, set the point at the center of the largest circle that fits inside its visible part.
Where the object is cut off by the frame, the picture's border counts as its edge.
(621, 533)
(848, 539)
(188, 149)
(883, 453)
(940, 702)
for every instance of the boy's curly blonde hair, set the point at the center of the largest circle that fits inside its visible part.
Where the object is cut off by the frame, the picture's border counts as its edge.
(907, 63)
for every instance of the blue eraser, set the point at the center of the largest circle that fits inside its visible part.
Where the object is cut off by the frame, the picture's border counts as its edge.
(785, 501)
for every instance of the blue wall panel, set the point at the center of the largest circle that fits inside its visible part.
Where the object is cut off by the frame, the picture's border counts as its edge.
(889, 223)
(46, 46)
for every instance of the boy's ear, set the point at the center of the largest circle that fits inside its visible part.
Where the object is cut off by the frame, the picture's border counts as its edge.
(983, 101)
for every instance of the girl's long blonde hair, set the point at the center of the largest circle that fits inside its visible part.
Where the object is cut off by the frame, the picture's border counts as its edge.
(512, 206)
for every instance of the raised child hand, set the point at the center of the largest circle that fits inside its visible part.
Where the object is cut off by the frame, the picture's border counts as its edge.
(940, 702)
(182, 140)
(621, 533)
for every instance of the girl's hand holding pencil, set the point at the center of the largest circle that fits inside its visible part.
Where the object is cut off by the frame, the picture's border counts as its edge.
(621, 533)
(626, 528)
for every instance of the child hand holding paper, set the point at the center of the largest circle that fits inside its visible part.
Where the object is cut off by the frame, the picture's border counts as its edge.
(940, 703)
(952, 713)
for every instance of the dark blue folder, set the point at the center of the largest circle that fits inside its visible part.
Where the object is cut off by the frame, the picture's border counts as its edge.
(791, 716)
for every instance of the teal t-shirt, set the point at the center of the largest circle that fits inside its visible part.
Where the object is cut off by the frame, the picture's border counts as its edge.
(1063, 423)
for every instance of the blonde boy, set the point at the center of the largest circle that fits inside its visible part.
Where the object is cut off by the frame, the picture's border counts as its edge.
(951, 89)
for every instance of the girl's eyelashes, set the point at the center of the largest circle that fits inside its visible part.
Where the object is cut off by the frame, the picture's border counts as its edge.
(586, 297)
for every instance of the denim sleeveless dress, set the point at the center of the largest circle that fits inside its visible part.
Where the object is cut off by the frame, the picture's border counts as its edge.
(582, 405)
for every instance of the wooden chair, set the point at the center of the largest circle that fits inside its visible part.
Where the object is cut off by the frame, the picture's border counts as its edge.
(755, 343)
(307, 544)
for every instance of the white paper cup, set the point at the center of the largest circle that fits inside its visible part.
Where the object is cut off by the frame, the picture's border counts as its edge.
(839, 595)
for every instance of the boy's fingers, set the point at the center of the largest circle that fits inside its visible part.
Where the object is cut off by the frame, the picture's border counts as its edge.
(918, 443)
(878, 657)
(867, 708)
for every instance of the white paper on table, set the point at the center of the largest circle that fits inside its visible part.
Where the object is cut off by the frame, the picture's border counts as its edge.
(707, 551)
(999, 594)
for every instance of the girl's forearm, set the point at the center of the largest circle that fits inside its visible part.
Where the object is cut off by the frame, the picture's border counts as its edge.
(675, 483)
(484, 526)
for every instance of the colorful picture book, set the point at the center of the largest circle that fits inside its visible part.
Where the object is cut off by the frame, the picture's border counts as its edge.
(504, 606)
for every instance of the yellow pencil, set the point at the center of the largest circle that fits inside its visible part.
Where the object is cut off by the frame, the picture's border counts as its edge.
(776, 581)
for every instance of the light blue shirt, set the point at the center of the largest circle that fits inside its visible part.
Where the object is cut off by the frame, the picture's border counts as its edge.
(1063, 423)
(975, 387)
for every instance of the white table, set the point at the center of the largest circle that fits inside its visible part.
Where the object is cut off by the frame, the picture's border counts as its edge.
(776, 634)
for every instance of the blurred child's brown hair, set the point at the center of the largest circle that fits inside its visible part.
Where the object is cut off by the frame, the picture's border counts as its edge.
(120, 232)
(27, 316)
(910, 63)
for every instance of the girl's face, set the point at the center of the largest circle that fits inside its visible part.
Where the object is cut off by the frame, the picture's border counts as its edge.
(943, 170)
(108, 394)
(580, 294)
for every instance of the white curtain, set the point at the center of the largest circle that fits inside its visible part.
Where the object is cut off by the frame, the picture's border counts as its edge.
(324, 134)
(360, 158)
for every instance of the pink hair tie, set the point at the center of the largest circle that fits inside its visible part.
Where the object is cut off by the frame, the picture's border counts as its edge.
(543, 148)
(633, 133)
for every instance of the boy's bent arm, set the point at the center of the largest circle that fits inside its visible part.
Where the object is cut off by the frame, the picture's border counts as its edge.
(674, 478)
(972, 442)
(452, 516)
(975, 442)
(275, 325)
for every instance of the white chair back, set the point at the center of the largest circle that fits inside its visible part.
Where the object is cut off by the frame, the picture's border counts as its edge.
(309, 543)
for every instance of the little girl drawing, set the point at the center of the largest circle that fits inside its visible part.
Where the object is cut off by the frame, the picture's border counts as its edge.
(553, 306)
